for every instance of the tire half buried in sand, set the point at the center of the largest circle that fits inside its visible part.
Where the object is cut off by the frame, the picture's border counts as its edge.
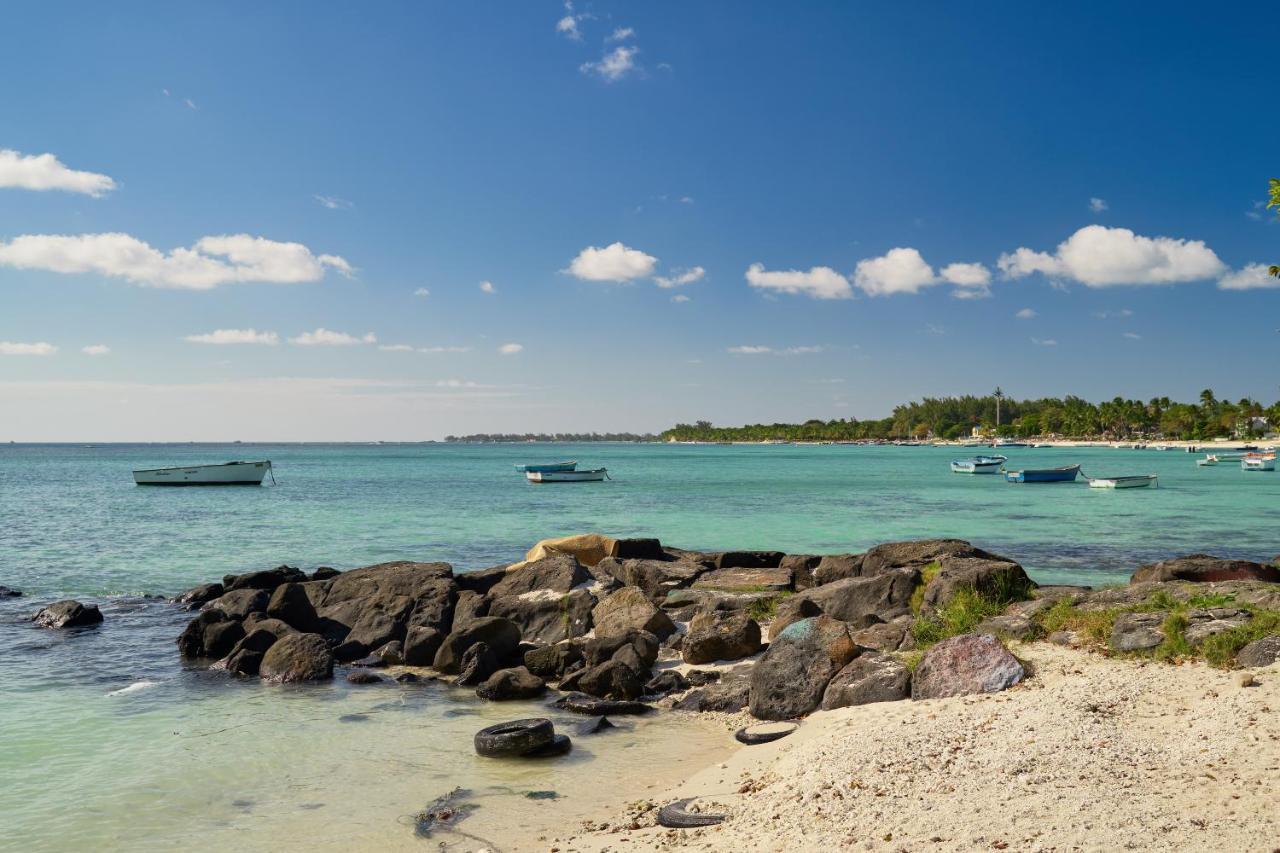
(764, 733)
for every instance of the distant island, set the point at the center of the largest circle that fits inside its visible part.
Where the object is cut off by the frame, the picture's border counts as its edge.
(953, 418)
(565, 437)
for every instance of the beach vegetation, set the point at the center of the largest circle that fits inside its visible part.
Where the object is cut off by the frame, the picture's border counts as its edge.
(1093, 627)
(961, 614)
(927, 574)
(766, 609)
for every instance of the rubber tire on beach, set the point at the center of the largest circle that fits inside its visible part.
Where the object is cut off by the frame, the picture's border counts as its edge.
(559, 745)
(675, 816)
(751, 738)
(518, 737)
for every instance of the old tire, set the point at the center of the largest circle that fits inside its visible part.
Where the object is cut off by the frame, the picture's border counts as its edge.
(675, 816)
(559, 745)
(767, 733)
(518, 737)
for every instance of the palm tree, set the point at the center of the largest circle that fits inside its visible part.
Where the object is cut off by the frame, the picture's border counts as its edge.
(999, 395)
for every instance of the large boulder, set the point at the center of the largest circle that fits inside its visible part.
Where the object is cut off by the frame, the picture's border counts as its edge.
(969, 663)
(239, 603)
(613, 679)
(470, 605)
(1260, 653)
(792, 610)
(682, 604)
(993, 579)
(866, 679)
(198, 595)
(514, 683)
(547, 617)
(1202, 568)
(67, 614)
(290, 604)
(221, 637)
(656, 577)
(721, 635)
(421, 645)
(1203, 624)
(1132, 632)
(837, 567)
(267, 579)
(297, 658)
(246, 657)
(749, 559)
(746, 580)
(638, 549)
(789, 680)
(365, 608)
(552, 662)
(191, 642)
(627, 609)
(501, 635)
(478, 663)
(863, 601)
(885, 636)
(556, 573)
(601, 648)
(729, 696)
(917, 553)
(801, 568)
(481, 580)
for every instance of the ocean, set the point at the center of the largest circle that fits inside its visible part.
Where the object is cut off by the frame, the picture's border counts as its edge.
(111, 742)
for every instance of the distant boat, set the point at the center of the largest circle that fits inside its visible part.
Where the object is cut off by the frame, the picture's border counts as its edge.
(225, 474)
(1258, 462)
(587, 476)
(547, 466)
(1138, 481)
(1065, 474)
(978, 465)
(1215, 458)
(1005, 443)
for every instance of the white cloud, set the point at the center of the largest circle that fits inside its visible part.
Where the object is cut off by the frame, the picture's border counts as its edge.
(614, 65)
(762, 350)
(681, 277)
(1133, 336)
(422, 291)
(212, 261)
(325, 337)
(1025, 314)
(568, 27)
(510, 349)
(1097, 205)
(459, 383)
(235, 336)
(190, 103)
(897, 271)
(42, 172)
(332, 202)
(1098, 256)
(818, 282)
(96, 349)
(395, 348)
(972, 281)
(614, 262)
(487, 287)
(686, 199)
(1044, 342)
(443, 349)
(1249, 277)
(621, 34)
(41, 348)
(1106, 315)
(679, 297)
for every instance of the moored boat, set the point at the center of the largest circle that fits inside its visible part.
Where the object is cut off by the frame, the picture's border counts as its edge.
(547, 466)
(224, 474)
(978, 465)
(1258, 462)
(1137, 481)
(1065, 474)
(585, 476)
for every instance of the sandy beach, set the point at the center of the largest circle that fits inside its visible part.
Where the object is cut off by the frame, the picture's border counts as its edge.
(1090, 753)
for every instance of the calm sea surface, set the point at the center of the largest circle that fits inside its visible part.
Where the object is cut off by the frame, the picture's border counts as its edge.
(110, 743)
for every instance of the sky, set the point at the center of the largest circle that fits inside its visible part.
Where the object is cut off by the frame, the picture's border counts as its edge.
(399, 221)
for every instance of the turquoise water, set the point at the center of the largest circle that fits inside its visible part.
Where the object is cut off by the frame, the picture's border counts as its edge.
(185, 759)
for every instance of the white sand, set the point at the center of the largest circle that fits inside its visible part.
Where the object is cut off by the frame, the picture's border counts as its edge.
(1089, 754)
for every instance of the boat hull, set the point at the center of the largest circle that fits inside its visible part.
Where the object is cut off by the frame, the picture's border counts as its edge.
(547, 467)
(592, 476)
(1043, 475)
(1258, 464)
(1137, 482)
(227, 474)
(978, 465)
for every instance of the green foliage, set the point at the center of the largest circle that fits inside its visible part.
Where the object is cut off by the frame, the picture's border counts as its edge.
(961, 615)
(927, 574)
(1212, 599)
(911, 660)
(1221, 649)
(765, 609)
(1092, 626)
(1175, 646)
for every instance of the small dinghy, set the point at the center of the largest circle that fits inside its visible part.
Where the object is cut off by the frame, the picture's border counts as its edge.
(978, 465)
(545, 467)
(1138, 481)
(588, 476)
(1065, 474)
(226, 474)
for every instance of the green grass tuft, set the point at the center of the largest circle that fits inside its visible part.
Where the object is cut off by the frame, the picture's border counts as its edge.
(927, 574)
(1220, 650)
(766, 609)
(1093, 626)
(964, 612)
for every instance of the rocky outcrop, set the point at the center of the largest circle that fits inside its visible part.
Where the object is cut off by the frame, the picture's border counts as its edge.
(67, 614)
(612, 679)
(1260, 653)
(469, 605)
(970, 663)
(552, 662)
(992, 578)
(728, 696)
(665, 682)
(596, 650)
(917, 553)
(656, 577)
(745, 580)
(365, 608)
(268, 579)
(789, 680)
(1202, 568)
(239, 603)
(514, 683)
(501, 635)
(885, 636)
(837, 567)
(297, 658)
(191, 642)
(556, 573)
(421, 645)
(868, 678)
(198, 595)
(480, 581)
(721, 635)
(1133, 632)
(478, 663)
(547, 617)
(290, 604)
(1010, 626)
(1203, 624)
(863, 601)
(630, 609)
(10, 592)
(749, 559)
(638, 549)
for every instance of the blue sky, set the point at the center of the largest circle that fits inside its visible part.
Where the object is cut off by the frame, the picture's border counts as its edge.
(220, 168)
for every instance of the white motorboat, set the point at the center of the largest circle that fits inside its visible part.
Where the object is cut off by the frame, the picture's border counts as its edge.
(1138, 481)
(225, 474)
(586, 476)
(1258, 462)
(979, 465)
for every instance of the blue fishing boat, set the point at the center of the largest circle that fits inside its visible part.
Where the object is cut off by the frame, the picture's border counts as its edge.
(978, 465)
(1065, 474)
(547, 467)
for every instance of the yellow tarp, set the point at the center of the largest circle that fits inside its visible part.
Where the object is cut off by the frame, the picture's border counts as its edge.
(589, 548)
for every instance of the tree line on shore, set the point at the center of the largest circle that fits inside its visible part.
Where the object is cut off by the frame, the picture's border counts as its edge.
(957, 417)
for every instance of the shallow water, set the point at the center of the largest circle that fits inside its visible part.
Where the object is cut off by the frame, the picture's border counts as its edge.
(110, 742)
